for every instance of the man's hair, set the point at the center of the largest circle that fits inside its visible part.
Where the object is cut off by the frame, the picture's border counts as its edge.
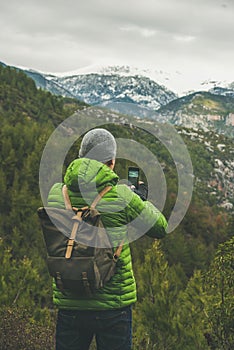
(109, 162)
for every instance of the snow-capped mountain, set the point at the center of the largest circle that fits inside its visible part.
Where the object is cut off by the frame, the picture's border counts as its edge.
(140, 93)
(122, 89)
(105, 89)
(159, 76)
(177, 81)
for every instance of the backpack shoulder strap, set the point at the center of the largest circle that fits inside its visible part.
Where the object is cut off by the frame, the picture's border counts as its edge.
(66, 197)
(75, 226)
(99, 196)
(94, 203)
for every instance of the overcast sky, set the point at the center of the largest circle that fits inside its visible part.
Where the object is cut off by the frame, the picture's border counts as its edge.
(191, 39)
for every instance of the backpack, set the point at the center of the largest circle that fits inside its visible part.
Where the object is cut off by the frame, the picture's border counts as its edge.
(79, 253)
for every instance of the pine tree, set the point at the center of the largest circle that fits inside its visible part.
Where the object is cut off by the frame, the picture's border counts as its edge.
(158, 287)
(219, 286)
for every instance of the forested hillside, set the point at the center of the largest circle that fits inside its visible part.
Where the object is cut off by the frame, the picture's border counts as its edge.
(185, 283)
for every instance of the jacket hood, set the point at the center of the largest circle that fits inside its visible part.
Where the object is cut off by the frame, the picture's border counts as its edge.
(88, 174)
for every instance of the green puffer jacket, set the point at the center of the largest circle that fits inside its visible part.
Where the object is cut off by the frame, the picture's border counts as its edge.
(118, 207)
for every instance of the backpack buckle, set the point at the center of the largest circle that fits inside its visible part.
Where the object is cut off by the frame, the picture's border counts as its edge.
(86, 283)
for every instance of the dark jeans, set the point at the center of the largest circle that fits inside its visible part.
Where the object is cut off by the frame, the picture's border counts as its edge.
(111, 328)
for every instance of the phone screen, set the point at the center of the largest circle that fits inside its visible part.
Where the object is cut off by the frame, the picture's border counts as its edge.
(133, 176)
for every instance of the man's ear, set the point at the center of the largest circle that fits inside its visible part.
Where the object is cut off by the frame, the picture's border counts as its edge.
(111, 164)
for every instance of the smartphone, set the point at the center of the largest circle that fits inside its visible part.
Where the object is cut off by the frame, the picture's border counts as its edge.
(133, 175)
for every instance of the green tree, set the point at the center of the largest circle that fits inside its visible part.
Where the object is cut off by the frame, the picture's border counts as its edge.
(155, 312)
(191, 318)
(219, 286)
(19, 279)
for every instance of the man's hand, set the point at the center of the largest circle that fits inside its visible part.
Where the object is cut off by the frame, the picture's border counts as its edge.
(142, 190)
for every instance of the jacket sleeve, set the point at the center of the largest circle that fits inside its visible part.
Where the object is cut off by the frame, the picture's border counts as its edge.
(145, 218)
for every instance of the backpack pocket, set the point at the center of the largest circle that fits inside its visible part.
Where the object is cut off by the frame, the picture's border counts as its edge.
(78, 275)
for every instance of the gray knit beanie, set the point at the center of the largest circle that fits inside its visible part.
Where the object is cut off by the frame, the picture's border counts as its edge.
(98, 144)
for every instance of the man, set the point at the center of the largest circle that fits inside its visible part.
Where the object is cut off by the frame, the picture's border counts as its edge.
(107, 315)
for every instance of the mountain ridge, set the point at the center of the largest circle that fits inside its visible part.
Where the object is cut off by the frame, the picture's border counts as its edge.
(118, 89)
(211, 153)
(160, 76)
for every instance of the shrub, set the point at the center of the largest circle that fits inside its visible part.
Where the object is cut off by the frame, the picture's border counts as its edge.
(19, 330)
